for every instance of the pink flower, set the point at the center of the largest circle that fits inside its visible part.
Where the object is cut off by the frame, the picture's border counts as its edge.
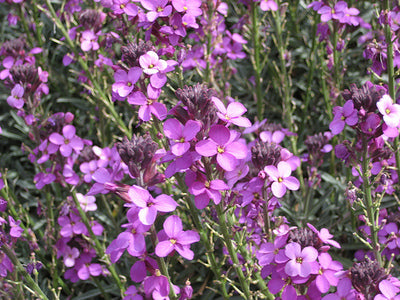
(148, 205)
(181, 135)
(281, 179)
(233, 113)
(125, 82)
(89, 41)
(390, 111)
(300, 261)
(222, 144)
(176, 239)
(268, 5)
(68, 141)
(16, 100)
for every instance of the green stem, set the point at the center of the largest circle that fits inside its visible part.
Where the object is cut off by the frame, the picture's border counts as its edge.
(368, 202)
(161, 263)
(30, 282)
(232, 251)
(205, 239)
(256, 59)
(97, 245)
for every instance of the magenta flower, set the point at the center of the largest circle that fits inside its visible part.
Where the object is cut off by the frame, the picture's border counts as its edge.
(149, 104)
(324, 236)
(68, 141)
(222, 144)
(390, 111)
(300, 261)
(326, 274)
(281, 179)
(151, 64)
(157, 8)
(233, 113)
(181, 135)
(268, 5)
(124, 6)
(148, 205)
(15, 230)
(16, 100)
(327, 13)
(176, 239)
(70, 255)
(89, 41)
(204, 191)
(388, 290)
(343, 115)
(190, 7)
(125, 82)
(371, 124)
(88, 168)
(71, 225)
(47, 149)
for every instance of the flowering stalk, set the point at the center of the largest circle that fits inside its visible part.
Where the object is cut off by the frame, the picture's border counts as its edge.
(391, 79)
(204, 236)
(232, 251)
(368, 202)
(97, 89)
(161, 263)
(31, 283)
(256, 59)
(97, 244)
(286, 81)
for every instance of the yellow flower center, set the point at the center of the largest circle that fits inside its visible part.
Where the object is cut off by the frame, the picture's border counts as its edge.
(220, 149)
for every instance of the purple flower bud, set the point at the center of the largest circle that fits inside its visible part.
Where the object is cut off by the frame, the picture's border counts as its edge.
(366, 276)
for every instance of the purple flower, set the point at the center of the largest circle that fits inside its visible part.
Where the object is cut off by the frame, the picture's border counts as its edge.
(266, 5)
(190, 7)
(124, 6)
(131, 240)
(88, 168)
(89, 41)
(343, 115)
(158, 8)
(181, 135)
(69, 256)
(68, 141)
(389, 291)
(15, 230)
(300, 261)
(16, 100)
(151, 64)
(88, 203)
(344, 291)
(233, 113)
(132, 294)
(281, 179)
(371, 124)
(327, 13)
(47, 149)
(324, 236)
(148, 205)
(149, 105)
(390, 111)
(5, 265)
(326, 275)
(176, 239)
(125, 82)
(222, 144)
(204, 191)
(71, 225)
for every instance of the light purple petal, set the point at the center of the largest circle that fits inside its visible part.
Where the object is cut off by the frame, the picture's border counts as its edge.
(292, 183)
(219, 134)
(191, 129)
(179, 149)
(188, 237)
(206, 148)
(148, 215)
(173, 129)
(158, 80)
(227, 161)
(56, 138)
(237, 149)
(278, 189)
(164, 248)
(173, 226)
(184, 251)
(235, 109)
(165, 203)
(139, 196)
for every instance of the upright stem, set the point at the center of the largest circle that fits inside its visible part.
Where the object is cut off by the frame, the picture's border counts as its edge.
(161, 263)
(368, 202)
(232, 251)
(31, 283)
(255, 34)
(97, 245)
(205, 239)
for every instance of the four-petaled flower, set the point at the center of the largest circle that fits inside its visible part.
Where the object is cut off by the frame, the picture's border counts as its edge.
(389, 110)
(281, 179)
(176, 239)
